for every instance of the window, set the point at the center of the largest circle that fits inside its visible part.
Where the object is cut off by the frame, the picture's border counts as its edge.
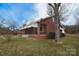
(42, 28)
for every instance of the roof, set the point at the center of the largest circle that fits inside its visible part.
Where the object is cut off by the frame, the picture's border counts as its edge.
(43, 19)
(34, 23)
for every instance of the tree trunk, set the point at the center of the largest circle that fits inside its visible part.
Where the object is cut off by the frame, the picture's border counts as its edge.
(55, 7)
(57, 33)
(57, 28)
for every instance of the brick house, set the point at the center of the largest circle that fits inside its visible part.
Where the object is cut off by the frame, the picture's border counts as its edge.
(44, 26)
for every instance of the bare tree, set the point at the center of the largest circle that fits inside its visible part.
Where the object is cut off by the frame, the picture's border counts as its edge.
(55, 7)
(50, 11)
(2, 22)
(12, 25)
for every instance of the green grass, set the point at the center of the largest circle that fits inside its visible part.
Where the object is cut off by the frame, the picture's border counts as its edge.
(17, 46)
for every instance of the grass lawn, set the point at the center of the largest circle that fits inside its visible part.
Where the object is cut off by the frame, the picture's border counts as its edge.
(29, 47)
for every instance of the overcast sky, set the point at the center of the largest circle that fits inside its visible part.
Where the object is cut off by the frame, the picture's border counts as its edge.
(26, 13)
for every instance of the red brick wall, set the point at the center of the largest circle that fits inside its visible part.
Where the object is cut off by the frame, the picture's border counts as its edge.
(50, 27)
(50, 24)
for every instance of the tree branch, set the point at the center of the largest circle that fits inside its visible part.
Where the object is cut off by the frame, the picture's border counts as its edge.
(50, 4)
(59, 4)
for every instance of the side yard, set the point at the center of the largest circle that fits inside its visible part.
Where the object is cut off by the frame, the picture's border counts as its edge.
(17, 45)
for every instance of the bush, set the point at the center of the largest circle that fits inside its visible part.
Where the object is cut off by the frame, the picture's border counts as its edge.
(51, 35)
(62, 34)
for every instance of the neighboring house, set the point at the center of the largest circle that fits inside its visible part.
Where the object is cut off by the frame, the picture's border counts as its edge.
(42, 28)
